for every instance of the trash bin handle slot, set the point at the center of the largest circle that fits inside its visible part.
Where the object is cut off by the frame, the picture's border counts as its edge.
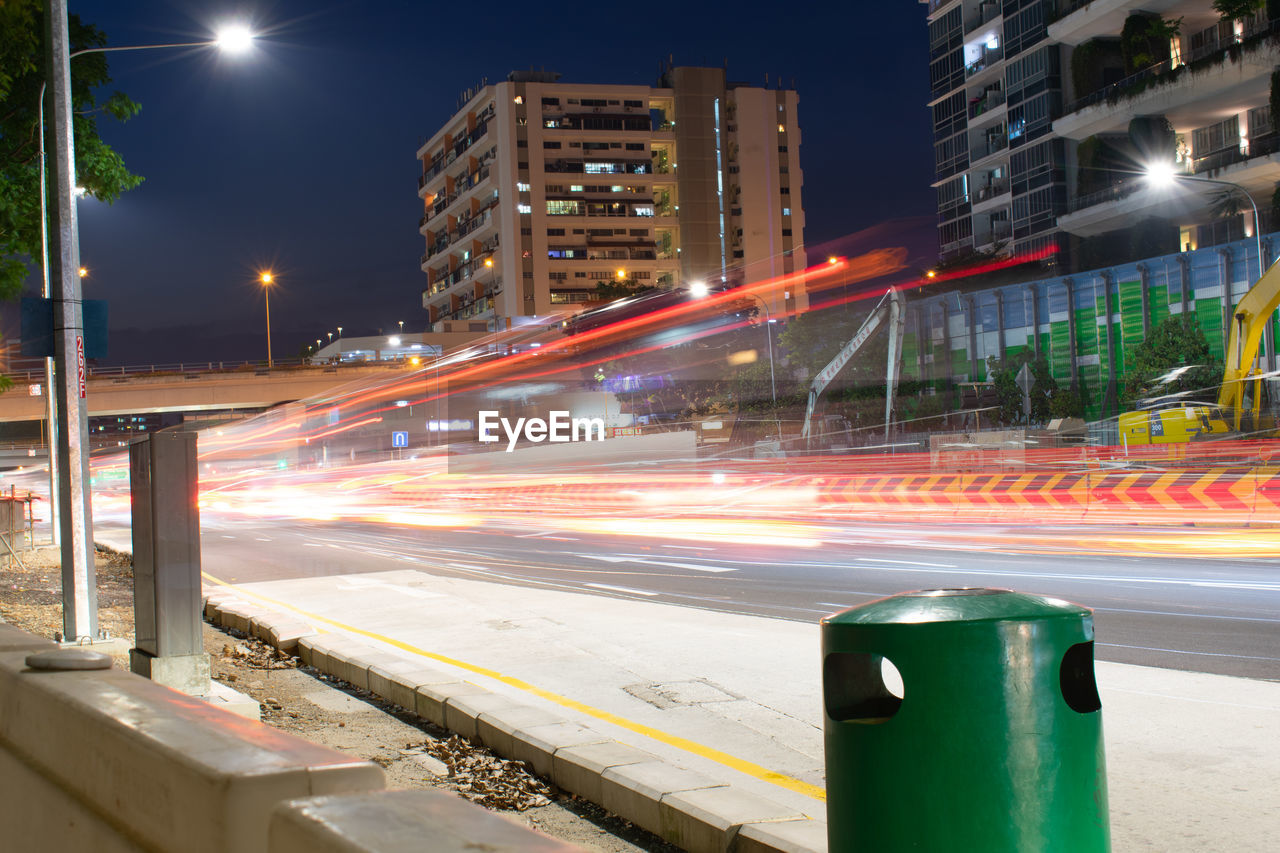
(1079, 688)
(860, 687)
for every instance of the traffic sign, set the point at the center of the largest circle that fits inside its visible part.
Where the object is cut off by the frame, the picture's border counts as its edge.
(400, 439)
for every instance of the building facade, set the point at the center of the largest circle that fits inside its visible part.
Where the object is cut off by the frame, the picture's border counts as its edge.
(1046, 114)
(536, 190)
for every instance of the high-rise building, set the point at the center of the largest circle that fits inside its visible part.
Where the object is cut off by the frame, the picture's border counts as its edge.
(1046, 113)
(537, 190)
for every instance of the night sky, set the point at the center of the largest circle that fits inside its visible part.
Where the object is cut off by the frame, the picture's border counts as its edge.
(299, 156)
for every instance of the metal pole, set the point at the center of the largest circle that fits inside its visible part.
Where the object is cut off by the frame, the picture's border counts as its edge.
(267, 292)
(51, 401)
(79, 592)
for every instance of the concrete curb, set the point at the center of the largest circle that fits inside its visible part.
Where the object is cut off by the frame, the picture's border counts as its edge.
(692, 811)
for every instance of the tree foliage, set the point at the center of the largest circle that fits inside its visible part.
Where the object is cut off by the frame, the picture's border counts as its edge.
(611, 291)
(99, 169)
(1003, 373)
(1174, 359)
(1232, 10)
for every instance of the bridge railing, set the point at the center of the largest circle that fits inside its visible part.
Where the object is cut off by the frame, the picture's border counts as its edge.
(100, 372)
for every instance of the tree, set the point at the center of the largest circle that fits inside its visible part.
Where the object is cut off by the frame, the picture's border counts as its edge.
(1174, 359)
(611, 291)
(1044, 388)
(99, 169)
(1232, 10)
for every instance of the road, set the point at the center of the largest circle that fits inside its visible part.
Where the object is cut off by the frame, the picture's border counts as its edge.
(1204, 612)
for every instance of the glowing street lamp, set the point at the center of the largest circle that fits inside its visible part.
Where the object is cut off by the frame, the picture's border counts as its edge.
(1164, 176)
(700, 289)
(267, 278)
(72, 514)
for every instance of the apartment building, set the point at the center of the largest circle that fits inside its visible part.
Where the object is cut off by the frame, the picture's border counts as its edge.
(536, 190)
(1036, 145)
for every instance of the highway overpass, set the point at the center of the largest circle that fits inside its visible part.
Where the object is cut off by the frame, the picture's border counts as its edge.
(121, 391)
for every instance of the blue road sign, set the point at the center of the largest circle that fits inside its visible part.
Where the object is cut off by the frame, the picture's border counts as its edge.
(399, 439)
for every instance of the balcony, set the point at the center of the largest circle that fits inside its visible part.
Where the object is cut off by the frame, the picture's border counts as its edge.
(473, 180)
(986, 13)
(458, 147)
(987, 105)
(1189, 95)
(992, 145)
(988, 59)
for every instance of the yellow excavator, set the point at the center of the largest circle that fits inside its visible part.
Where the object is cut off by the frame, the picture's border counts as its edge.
(1239, 407)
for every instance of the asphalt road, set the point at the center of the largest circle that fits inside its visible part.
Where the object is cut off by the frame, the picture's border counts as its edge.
(1153, 607)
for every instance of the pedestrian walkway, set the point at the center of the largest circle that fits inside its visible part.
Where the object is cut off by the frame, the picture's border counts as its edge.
(1192, 760)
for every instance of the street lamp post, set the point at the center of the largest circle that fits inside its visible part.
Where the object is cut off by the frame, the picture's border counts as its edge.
(1164, 176)
(75, 518)
(267, 278)
(700, 289)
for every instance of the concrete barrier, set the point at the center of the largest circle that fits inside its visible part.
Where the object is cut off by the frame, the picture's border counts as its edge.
(106, 761)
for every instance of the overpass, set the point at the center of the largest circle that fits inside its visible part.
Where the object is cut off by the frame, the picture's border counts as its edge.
(122, 390)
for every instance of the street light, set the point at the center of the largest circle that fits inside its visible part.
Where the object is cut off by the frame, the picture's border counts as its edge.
(61, 263)
(1163, 175)
(700, 289)
(267, 278)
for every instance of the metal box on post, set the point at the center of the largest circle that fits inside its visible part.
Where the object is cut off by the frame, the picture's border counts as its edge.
(168, 628)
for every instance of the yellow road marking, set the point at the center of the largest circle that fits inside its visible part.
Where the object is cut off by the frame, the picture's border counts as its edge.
(702, 750)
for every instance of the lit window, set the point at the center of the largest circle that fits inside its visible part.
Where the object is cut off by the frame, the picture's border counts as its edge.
(561, 207)
(551, 122)
(522, 187)
(617, 188)
(519, 99)
(644, 210)
(575, 188)
(786, 211)
(524, 208)
(782, 128)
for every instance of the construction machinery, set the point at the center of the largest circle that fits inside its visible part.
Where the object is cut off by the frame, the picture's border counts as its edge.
(1239, 409)
(889, 309)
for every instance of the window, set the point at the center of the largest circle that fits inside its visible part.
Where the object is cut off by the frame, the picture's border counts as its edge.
(638, 232)
(551, 122)
(557, 276)
(782, 149)
(636, 105)
(524, 208)
(551, 102)
(601, 168)
(635, 146)
(522, 143)
(786, 211)
(561, 207)
(785, 190)
(551, 145)
(575, 188)
(555, 232)
(616, 188)
(526, 232)
(522, 187)
(786, 232)
(643, 210)
(519, 99)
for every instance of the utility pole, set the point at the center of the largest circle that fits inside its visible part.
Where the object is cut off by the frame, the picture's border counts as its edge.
(79, 590)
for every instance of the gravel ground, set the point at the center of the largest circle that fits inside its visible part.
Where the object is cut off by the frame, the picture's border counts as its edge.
(301, 700)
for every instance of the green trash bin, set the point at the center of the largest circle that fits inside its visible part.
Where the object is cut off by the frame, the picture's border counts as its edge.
(963, 720)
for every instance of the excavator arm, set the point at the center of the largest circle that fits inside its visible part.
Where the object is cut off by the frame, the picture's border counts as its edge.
(1248, 323)
(888, 308)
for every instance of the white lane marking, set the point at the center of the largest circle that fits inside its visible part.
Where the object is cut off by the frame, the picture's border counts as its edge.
(225, 536)
(312, 545)
(910, 563)
(1185, 652)
(688, 547)
(261, 539)
(625, 589)
(644, 560)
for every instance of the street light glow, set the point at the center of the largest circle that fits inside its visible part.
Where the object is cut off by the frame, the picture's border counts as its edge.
(699, 289)
(235, 38)
(393, 341)
(1160, 174)
(266, 278)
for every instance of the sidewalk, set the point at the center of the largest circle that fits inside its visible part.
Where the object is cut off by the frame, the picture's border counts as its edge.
(1192, 760)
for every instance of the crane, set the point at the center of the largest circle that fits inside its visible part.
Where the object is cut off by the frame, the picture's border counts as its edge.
(888, 308)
